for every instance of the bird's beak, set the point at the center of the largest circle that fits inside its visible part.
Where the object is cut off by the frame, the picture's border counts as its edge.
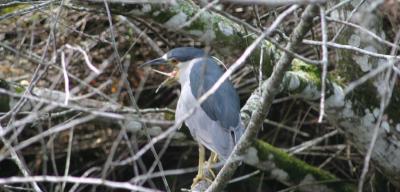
(158, 61)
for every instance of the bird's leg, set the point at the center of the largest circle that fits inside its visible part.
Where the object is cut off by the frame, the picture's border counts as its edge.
(211, 161)
(214, 157)
(200, 172)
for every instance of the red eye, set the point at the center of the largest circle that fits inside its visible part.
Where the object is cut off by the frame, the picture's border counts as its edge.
(174, 61)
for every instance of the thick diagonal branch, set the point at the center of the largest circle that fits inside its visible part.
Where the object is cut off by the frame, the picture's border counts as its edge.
(268, 91)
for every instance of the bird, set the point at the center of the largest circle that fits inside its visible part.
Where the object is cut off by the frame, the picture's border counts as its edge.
(215, 123)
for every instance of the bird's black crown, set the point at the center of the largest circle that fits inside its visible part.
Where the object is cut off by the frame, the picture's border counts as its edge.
(183, 54)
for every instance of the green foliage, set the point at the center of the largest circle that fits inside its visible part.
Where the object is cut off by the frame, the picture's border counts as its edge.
(13, 8)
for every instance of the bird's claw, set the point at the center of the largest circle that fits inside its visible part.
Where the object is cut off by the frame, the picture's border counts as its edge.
(212, 172)
(200, 177)
(196, 180)
(204, 171)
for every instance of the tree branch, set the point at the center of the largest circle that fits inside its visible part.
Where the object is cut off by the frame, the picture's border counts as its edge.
(268, 91)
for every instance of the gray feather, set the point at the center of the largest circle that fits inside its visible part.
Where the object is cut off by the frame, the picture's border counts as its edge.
(223, 106)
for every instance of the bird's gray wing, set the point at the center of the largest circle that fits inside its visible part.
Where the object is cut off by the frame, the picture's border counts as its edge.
(222, 106)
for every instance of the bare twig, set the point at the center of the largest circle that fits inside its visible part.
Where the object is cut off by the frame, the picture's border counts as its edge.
(85, 56)
(21, 165)
(55, 129)
(241, 178)
(247, 53)
(386, 94)
(324, 63)
(372, 144)
(338, 32)
(128, 85)
(34, 7)
(311, 143)
(272, 40)
(80, 180)
(352, 48)
(142, 34)
(202, 10)
(342, 3)
(276, 2)
(136, 1)
(367, 76)
(66, 79)
(363, 29)
(68, 159)
(291, 129)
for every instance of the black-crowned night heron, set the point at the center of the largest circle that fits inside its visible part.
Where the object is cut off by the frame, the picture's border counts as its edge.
(216, 124)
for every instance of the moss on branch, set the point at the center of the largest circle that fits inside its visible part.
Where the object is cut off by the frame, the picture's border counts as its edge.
(289, 169)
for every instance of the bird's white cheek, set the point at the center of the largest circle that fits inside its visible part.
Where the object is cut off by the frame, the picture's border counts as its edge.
(181, 65)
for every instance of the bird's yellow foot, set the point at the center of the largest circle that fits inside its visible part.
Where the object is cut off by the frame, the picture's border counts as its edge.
(213, 175)
(196, 180)
(200, 174)
(211, 161)
(200, 177)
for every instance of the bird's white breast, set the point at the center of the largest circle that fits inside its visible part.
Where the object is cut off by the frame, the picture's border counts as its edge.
(203, 129)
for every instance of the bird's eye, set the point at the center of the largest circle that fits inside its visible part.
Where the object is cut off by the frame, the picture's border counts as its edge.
(174, 61)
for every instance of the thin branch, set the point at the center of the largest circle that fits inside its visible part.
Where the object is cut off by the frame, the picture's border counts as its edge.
(202, 10)
(142, 34)
(21, 165)
(66, 79)
(324, 63)
(272, 40)
(136, 1)
(55, 129)
(247, 53)
(123, 70)
(112, 152)
(55, 103)
(87, 173)
(347, 20)
(86, 57)
(367, 76)
(373, 141)
(370, 33)
(260, 68)
(40, 60)
(68, 159)
(154, 140)
(308, 144)
(76, 180)
(352, 48)
(21, 12)
(386, 94)
(283, 126)
(276, 2)
(342, 3)
(244, 177)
